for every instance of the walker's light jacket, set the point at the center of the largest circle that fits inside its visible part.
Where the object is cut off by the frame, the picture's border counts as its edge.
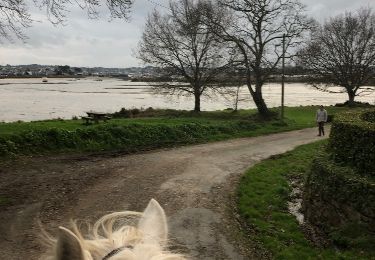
(321, 115)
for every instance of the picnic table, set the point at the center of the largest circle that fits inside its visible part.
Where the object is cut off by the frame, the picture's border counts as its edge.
(93, 116)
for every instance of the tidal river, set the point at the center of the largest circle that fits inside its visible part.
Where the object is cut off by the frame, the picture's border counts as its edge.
(30, 99)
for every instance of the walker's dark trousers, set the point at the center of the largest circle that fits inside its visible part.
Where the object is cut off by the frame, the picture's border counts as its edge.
(321, 128)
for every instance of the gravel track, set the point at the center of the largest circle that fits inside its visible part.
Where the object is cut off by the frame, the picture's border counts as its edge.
(194, 184)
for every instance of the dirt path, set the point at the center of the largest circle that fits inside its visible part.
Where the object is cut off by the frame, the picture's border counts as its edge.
(194, 184)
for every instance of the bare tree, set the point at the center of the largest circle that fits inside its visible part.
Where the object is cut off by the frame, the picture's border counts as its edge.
(15, 15)
(181, 43)
(342, 53)
(255, 29)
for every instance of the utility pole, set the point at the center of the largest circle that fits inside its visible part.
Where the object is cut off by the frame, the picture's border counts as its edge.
(283, 80)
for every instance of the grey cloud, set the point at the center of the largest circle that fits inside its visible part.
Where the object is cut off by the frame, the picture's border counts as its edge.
(87, 42)
(323, 9)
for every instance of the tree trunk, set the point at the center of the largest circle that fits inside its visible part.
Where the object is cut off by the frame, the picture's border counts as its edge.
(351, 95)
(261, 105)
(257, 96)
(197, 105)
(259, 101)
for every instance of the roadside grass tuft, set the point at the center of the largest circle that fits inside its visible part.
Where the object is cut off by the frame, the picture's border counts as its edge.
(263, 194)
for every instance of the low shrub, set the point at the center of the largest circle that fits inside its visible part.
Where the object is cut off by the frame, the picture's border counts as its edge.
(123, 113)
(352, 140)
(369, 116)
(330, 118)
(354, 104)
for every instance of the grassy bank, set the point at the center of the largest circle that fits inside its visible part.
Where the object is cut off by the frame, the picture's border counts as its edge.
(263, 195)
(157, 128)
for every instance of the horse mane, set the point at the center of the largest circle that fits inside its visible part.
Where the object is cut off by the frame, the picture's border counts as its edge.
(126, 235)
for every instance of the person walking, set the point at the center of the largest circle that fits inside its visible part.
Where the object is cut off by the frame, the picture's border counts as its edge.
(321, 118)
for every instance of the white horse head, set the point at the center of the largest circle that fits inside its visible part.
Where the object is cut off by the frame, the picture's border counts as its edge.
(110, 241)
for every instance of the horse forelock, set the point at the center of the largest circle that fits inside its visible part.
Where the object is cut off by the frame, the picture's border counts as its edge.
(116, 236)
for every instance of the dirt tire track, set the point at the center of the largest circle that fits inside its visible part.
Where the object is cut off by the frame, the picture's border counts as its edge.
(194, 184)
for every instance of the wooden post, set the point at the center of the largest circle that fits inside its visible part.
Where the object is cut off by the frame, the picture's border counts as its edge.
(283, 80)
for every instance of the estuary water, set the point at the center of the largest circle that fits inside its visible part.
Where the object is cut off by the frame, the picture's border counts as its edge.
(30, 99)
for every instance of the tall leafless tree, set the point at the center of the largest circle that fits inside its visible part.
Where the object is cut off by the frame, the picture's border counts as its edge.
(181, 43)
(255, 29)
(342, 53)
(15, 14)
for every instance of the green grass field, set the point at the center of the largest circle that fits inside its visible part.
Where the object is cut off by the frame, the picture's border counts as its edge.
(161, 128)
(296, 117)
(263, 194)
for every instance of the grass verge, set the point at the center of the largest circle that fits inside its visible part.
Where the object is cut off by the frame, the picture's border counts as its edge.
(162, 128)
(263, 194)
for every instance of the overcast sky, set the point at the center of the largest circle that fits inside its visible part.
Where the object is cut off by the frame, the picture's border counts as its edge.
(90, 43)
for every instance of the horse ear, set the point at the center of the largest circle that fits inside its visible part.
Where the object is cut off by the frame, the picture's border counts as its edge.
(153, 223)
(68, 246)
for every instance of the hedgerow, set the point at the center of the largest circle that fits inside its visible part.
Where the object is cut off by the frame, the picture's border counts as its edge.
(339, 200)
(339, 191)
(352, 140)
(129, 138)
